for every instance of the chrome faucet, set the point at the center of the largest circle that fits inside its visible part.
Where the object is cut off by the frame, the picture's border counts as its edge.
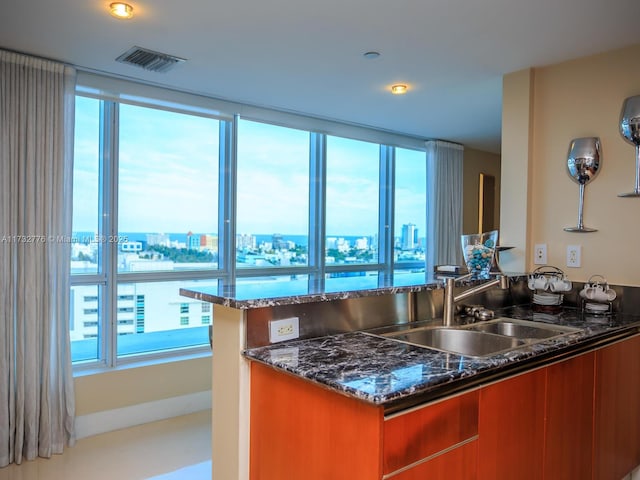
(450, 300)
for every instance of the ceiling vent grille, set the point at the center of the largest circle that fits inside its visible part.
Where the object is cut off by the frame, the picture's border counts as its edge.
(149, 60)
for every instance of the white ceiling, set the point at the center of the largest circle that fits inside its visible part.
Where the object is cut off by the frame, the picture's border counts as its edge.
(307, 57)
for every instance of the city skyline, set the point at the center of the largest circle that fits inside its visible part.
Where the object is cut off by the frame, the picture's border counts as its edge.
(87, 236)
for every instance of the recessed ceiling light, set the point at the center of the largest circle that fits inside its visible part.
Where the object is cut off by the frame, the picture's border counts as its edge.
(121, 10)
(371, 55)
(398, 89)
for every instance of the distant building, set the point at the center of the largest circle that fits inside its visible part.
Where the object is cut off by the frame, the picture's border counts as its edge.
(245, 241)
(193, 241)
(409, 239)
(158, 239)
(362, 243)
(141, 308)
(338, 243)
(209, 242)
(278, 242)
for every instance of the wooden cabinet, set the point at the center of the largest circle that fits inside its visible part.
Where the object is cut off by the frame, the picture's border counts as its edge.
(457, 463)
(300, 430)
(569, 419)
(576, 419)
(617, 410)
(439, 437)
(511, 428)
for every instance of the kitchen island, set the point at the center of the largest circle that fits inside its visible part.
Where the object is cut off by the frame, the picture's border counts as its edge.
(376, 380)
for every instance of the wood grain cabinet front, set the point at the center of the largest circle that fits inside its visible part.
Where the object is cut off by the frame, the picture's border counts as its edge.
(569, 419)
(617, 410)
(457, 463)
(300, 430)
(428, 438)
(511, 428)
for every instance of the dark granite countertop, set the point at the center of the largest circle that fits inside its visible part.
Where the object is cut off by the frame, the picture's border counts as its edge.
(267, 292)
(397, 375)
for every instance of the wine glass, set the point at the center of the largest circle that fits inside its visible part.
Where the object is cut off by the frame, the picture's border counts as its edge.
(630, 130)
(583, 165)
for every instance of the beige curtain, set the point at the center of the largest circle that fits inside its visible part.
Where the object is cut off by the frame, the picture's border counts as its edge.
(36, 140)
(444, 205)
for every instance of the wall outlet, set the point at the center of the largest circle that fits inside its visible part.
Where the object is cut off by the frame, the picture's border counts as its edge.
(540, 254)
(574, 256)
(285, 329)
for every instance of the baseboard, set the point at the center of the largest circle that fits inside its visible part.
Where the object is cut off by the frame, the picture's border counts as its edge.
(109, 420)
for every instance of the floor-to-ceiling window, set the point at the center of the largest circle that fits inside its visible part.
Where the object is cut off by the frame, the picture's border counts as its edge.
(273, 196)
(145, 224)
(169, 196)
(410, 213)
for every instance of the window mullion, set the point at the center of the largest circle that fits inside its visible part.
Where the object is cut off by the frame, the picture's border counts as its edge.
(386, 214)
(227, 200)
(109, 209)
(317, 209)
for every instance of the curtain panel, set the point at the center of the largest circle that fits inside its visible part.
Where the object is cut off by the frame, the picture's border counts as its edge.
(36, 178)
(444, 205)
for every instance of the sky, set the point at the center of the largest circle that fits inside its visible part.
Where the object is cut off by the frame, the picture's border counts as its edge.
(168, 176)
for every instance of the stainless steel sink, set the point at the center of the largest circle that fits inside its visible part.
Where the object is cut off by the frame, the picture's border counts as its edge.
(463, 342)
(481, 339)
(522, 329)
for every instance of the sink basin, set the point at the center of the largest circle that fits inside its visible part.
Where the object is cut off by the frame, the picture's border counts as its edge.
(463, 342)
(481, 339)
(522, 329)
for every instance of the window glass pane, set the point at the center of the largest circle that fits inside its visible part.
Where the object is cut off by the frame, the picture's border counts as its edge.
(410, 206)
(273, 195)
(346, 281)
(271, 286)
(167, 191)
(86, 187)
(352, 201)
(84, 322)
(153, 317)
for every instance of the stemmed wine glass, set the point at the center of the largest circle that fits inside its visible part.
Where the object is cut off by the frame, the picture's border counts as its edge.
(630, 130)
(583, 164)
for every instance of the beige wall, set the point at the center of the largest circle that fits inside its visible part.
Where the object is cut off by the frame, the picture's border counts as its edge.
(574, 99)
(475, 163)
(131, 386)
(516, 153)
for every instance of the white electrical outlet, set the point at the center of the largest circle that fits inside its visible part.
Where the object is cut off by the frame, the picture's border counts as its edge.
(574, 256)
(285, 329)
(540, 254)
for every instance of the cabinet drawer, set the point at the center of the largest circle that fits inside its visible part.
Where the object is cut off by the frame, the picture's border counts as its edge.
(459, 463)
(412, 436)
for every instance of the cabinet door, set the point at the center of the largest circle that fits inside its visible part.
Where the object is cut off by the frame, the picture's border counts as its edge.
(301, 431)
(617, 410)
(569, 430)
(458, 463)
(416, 435)
(511, 428)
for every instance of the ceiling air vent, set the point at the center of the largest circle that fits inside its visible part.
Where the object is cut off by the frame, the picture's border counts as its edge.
(149, 60)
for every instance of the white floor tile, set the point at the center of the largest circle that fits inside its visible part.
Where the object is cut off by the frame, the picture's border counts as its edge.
(174, 449)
